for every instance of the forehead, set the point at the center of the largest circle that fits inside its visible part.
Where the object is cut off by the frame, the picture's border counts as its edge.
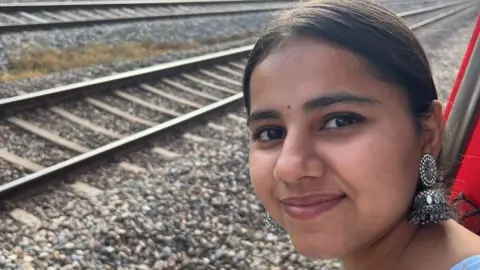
(305, 68)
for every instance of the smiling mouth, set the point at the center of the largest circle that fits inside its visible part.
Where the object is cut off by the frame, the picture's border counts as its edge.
(310, 209)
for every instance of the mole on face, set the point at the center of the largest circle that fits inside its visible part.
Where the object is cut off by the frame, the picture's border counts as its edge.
(288, 106)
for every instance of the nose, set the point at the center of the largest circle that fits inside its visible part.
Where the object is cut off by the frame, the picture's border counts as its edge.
(298, 160)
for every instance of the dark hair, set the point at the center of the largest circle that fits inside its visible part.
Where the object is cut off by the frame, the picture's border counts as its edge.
(392, 51)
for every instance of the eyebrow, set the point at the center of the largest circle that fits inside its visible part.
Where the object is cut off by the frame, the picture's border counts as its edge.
(331, 99)
(259, 115)
(313, 104)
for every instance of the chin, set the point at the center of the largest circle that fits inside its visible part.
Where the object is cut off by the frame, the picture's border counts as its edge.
(318, 248)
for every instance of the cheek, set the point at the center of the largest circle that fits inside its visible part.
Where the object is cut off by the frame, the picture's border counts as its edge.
(261, 165)
(376, 170)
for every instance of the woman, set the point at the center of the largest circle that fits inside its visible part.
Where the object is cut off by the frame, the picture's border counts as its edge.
(346, 134)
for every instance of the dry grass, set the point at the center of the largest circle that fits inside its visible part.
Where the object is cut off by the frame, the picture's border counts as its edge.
(36, 63)
(39, 62)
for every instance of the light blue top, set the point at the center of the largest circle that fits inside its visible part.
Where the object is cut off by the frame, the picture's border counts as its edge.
(470, 263)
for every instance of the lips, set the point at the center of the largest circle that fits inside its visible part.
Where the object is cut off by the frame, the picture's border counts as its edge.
(309, 207)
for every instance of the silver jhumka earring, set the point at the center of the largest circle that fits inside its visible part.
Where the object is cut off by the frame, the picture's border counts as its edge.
(430, 205)
(272, 223)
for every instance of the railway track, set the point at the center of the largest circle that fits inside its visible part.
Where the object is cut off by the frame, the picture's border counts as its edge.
(57, 132)
(54, 15)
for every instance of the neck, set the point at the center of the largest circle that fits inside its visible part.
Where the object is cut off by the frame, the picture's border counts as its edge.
(386, 251)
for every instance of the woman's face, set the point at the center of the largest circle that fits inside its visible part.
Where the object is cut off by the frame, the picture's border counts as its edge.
(334, 151)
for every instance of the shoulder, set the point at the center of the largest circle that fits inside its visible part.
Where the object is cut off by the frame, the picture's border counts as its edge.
(470, 263)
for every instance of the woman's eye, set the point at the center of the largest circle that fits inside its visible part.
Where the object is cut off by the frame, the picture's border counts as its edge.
(270, 133)
(342, 121)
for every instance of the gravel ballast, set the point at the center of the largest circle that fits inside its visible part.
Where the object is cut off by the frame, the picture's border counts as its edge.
(99, 117)
(199, 87)
(166, 31)
(134, 109)
(32, 147)
(9, 172)
(158, 100)
(65, 129)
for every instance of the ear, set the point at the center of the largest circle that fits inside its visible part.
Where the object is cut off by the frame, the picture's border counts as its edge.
(433, 127)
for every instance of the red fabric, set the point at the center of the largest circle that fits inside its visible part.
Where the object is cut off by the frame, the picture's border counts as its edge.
(467, 180)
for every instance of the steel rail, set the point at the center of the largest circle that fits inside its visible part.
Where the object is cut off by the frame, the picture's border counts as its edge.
(54, 6)
(8, 28)
(66, 168)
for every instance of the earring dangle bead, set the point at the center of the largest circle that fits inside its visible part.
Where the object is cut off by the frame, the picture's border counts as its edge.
(430, 205)
(272, 223)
